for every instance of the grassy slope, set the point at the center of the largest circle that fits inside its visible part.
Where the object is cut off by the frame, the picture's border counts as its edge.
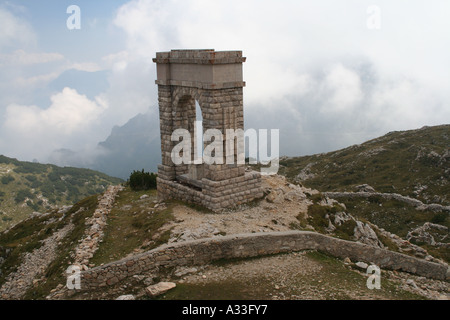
(397, 162)
(132, 224)
(26, 187)
(28, 234)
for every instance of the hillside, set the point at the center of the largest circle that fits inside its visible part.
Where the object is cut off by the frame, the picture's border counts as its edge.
(35, 254)
(27, 187)
(413, 163)
(111, 235)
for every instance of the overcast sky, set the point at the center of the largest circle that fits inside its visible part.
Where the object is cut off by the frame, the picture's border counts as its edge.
(328, 74)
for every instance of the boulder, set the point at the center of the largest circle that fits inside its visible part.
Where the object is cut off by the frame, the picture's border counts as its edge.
(365, 234)
(362, 265)
(159, 288)
(364, 188)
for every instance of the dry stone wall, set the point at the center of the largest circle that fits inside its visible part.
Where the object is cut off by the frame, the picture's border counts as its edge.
(389, 196)
(94, 232)
(203, 251)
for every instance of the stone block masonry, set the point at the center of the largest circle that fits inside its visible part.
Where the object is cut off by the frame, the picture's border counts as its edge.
(203, 251)
(215, 195)
(215, 81)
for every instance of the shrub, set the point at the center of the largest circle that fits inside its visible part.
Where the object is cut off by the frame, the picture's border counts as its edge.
(22, 195)
(140, 180)
(439, 217)
(7, 179)
(31, 178)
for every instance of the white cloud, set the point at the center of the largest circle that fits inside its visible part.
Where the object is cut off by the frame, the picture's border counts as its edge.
(304, 59)
(313, 68)
(84, 66)
(343, 87)
(35, 81)
(21, 57)
(69, 122)
(14, 30)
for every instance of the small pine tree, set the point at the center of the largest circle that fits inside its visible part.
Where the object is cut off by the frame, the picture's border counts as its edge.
(140, 180)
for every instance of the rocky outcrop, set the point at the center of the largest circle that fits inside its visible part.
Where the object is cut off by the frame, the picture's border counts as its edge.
(364, 233)
(306, 173)
(431, 234)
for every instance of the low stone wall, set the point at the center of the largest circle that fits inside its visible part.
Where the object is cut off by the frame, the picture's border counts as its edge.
(388, 196)
(204, 251)
(215, 195)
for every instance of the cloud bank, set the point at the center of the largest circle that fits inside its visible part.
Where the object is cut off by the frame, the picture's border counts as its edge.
(314, 70)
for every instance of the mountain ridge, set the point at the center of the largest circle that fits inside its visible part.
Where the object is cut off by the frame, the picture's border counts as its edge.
(26, 187)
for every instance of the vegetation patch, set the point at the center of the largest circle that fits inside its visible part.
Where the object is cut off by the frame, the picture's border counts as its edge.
(43, 187)
(133, 223)
(412, 163)
(55, 273)
(140, 180)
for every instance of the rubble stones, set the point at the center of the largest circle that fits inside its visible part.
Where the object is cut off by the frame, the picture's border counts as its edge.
(94, 233)
(430, 233)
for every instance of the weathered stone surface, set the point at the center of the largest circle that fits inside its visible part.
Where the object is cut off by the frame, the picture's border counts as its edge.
(126, 297)
(361, 265)
(159, 288)
(389, 196)
(429, 233)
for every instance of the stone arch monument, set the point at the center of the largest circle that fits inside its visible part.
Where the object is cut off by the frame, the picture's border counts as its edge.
(215, 80)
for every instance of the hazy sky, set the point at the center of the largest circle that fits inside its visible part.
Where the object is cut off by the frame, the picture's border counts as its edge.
(328, 74)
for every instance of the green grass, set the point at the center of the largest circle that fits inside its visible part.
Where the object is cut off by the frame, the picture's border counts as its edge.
(55, 272)
(131, 225)
(27, 236)
(60, 186)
